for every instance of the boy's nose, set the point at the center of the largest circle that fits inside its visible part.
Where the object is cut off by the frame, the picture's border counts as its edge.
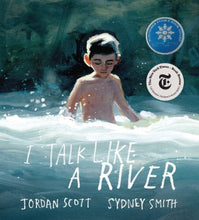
(104, 66)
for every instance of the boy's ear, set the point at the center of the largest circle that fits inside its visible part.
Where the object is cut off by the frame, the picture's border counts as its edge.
(118, 59)
(87, 60)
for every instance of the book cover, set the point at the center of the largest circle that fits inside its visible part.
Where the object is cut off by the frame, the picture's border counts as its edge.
(56, 167)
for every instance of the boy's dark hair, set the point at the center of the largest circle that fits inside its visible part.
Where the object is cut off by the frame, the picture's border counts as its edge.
(102, 44)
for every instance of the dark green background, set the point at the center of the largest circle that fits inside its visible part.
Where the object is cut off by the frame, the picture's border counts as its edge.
(36, 34)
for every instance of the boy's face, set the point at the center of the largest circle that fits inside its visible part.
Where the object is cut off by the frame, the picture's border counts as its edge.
(103, 64)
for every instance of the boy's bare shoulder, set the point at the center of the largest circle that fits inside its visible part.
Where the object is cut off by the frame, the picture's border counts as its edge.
(115, 79)
(85, 79)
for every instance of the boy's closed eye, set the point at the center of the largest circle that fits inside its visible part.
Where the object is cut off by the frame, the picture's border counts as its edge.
(108, 62)
(97, 62)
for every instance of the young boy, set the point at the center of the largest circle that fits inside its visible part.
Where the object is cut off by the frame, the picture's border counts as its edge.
(98, 91)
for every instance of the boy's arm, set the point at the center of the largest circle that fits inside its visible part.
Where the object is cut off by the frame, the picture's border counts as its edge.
(74, 99)
(123, 105)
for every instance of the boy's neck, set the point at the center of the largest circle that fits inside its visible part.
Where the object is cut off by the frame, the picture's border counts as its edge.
(99, 76)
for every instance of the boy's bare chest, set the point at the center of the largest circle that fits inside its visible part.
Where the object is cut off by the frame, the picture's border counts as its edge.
(98, 92)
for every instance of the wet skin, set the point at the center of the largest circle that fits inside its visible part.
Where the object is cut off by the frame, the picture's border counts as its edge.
(98, 91)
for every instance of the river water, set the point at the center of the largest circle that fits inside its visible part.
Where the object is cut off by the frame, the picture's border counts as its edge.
(39, 148)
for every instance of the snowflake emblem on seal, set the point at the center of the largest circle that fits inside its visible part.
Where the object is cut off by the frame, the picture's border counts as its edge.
(165, 33)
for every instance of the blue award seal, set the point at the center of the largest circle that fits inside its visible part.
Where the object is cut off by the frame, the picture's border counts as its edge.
(165, 35)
